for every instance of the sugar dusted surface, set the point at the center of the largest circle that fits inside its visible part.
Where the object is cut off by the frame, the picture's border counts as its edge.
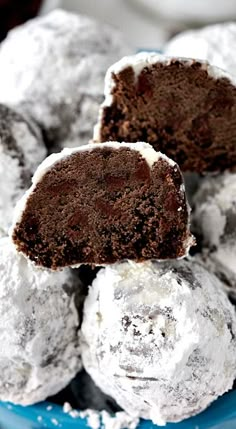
(40, 352)
(149, 327)
(214, 43)
(197, 11)
(53, 67)
(96, 419)
(17, 163)
(214, 218)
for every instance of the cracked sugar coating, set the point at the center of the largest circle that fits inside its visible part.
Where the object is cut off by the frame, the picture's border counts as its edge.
(214, 43)
(53, 67)
(39, 341)
(98, 204)
(185, 108)
(149, 338)
(21, 151)
(214, 219)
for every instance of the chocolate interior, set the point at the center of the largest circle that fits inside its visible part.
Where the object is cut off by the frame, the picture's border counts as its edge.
(101, 206)
(180, 110)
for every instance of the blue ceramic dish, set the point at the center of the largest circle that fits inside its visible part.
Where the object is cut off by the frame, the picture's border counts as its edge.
(221, 415)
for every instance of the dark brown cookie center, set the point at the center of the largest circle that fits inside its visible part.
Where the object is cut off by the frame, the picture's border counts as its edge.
(102, 206)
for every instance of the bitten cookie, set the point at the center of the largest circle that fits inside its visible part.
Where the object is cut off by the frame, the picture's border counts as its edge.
(99, 204)
(185, 108)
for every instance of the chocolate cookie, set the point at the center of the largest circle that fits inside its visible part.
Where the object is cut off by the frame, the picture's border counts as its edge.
(160, 338)
(40, 351)
(214, 221)
(185, 108)
(53, 68)
(99, 204)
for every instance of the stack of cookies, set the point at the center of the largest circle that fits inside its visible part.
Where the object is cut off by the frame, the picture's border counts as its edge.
(158, 331)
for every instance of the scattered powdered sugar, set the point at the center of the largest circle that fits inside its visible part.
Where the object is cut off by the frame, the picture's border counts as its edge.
(67, 408)
(214, 218)
(214, 43)
(75, 49)
(121, 420)
(102, 419)
(49, 408)
(142, 338)
(92, 417)
(55, 422)
(40, 351)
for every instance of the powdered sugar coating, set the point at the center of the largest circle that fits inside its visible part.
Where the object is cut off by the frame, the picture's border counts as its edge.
(214, 218)
(21, 151)
(150, 334)
(214, 43)
(195, 11)
(40, 351)
(54, 68)
(147, 59)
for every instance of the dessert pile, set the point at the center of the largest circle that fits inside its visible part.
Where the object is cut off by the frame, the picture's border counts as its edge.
(104, 266)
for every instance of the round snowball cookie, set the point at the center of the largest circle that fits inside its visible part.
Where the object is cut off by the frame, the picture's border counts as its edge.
(101, 203)
(214, 43)
(21, 151)
(214, 219)
(159, 338)
(39, 352)
(54, 68)
(195, 11)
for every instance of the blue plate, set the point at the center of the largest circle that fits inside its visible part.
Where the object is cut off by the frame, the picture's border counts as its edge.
(220, 415)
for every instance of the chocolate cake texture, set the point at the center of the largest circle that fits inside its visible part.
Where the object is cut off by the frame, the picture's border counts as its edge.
(184, 108)
(99, 204)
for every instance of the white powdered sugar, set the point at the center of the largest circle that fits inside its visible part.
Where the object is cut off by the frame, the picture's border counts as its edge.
(199, 11)
(145, 150)
(144, 60)
(92, 417)
(121, 420)
(21, 151)
(53, 67)
(150, 334)
(214, 43)
(214, 218)
(96, 419)
(40, 351)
